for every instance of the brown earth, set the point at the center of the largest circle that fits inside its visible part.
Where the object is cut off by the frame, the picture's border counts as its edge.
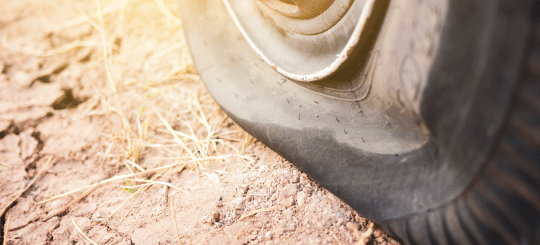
(88, 95)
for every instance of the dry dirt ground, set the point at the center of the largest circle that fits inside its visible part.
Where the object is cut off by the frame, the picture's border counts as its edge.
(101, 106)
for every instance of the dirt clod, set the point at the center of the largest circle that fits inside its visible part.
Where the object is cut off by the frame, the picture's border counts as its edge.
(288, 191)
(301, 199)
(287, 202)
(215, 217)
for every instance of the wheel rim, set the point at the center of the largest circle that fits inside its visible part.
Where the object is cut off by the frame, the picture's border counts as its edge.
(301, 39)
(303, 9)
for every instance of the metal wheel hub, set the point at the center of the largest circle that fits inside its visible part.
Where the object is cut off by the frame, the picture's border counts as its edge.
(304, 40)
(298, 8)
(307, 17)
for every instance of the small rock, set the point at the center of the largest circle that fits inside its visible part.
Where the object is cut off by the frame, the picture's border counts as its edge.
(240, 203)
(96, 217)
(301, 200)
(287, 202)
(268, 234)
(308, 189)
(303, 179)
(327, 224)
(215, 217)
(22, 78)
(252, 237)
(28, 143)
(351, 226)
(296, 177)
(242, 191)
(380, 240)
(219, 202)
(288, 190)
(284, 180)
(377, 233)
(274, 196)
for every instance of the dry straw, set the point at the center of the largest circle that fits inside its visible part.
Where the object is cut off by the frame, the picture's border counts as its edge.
(27, 186)
(82, 234)
(173, 213)
(150, 96)
(6, 230)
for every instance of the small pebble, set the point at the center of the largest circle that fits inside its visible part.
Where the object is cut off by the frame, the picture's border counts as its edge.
(219, 202)
(288, 190)
(215, 217)
(301, 200)
(296, 177)
(327, 224)
(351, 226)
(287, 202)
(339, 221)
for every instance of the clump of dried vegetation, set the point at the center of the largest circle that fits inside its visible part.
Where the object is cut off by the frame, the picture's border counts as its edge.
(153, 100)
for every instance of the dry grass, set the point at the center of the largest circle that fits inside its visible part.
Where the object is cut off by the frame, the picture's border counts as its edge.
(173, 215)
(254, 212)
(72, 202)
(146, 86)
(6, 230)
(45, 166)
(82, 234)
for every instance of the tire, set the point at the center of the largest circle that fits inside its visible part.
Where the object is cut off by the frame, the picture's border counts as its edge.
(455, 162)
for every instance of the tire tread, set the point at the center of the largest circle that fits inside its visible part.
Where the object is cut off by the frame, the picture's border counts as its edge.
(502, 205)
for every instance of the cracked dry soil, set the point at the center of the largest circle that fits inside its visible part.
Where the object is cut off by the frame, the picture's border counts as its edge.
(56, 102)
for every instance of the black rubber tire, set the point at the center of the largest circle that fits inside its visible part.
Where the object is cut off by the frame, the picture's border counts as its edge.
(502, 203)
(477, 180)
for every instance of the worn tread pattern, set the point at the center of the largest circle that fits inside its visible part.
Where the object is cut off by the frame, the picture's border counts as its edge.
(502, 205)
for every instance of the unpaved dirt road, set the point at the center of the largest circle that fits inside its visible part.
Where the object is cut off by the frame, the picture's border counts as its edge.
(101, 106)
